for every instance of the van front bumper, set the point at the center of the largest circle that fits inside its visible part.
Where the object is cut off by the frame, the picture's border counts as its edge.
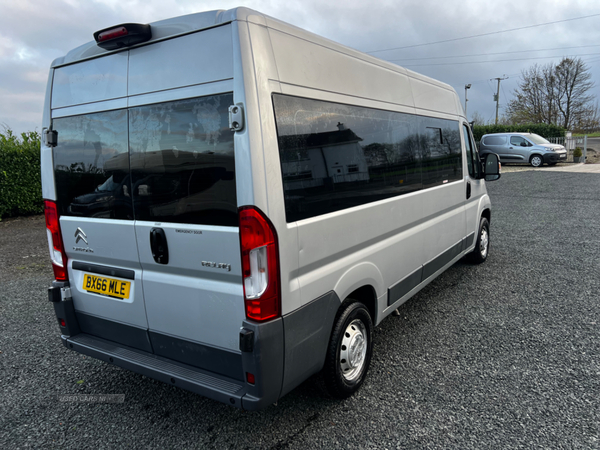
(555, 157)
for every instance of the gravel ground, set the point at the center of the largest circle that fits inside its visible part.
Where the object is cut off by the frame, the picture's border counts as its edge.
(502, 355)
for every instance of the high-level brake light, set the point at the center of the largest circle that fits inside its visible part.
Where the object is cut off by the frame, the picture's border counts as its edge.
(55, 243)
(124, 35)
(260, 265)
(112, 33)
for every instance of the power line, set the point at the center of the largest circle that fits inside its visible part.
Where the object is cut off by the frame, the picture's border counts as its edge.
(494, 61)
(490, 54)
(484, 34)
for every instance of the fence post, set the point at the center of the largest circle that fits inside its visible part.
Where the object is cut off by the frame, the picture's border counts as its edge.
(584, 148)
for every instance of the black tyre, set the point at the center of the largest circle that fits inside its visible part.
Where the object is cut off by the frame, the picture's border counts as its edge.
(536, 161)
(482, 246)
(349, 351)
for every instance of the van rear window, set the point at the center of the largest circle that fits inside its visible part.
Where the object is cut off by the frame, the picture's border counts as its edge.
(182, 163)
(167, 162)
(91, 166)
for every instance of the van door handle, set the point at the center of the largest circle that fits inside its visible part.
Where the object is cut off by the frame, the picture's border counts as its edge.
(158, 245)
(468, 190)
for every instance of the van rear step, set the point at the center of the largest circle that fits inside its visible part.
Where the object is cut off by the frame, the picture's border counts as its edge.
(216, 387)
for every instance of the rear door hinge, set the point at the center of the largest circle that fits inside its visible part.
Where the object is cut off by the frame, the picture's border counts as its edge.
(51, 138)
(236, 117)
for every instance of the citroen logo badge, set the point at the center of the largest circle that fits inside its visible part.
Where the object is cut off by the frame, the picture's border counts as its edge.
(80, 236)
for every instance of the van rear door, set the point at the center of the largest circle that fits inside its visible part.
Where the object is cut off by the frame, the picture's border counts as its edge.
(93, 189)
(184, 193)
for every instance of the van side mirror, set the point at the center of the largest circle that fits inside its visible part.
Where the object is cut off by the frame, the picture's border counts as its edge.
(491, 167)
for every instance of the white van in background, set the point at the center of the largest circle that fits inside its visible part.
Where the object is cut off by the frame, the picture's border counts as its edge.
(233, 203)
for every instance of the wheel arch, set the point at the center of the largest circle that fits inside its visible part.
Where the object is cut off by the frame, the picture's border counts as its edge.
(363, 283)
(365, 295)
(537, 154)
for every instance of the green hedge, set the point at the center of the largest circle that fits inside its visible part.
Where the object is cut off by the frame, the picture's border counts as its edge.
(544, 130)
(20, 181)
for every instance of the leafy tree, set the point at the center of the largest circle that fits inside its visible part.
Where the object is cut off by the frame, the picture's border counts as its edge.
(556, 94)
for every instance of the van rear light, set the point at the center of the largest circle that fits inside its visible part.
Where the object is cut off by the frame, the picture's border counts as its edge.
(260, 265)
(55, 243)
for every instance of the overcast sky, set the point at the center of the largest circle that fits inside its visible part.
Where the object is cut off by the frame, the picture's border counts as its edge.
(34, 32)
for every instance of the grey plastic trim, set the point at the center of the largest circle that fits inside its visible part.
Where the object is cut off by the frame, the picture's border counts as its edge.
(104, 270)
(205, 357)
(404, 286)
(265, 363)
(186, 377)
(306, 332)
(440, 261)
(469, 240)
(113, 331)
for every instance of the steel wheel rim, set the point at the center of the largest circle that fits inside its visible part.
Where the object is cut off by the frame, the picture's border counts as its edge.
(484, 242)
(536, 161)
(353, 350)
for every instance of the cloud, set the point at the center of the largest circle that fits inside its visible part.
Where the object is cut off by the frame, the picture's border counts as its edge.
(32, 36)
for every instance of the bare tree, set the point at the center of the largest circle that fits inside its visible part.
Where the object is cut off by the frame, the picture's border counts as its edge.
(477, 118)
(573, 82)
(555, 94)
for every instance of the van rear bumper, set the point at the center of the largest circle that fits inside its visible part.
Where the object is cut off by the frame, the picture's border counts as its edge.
(211, 385)
(208, 371)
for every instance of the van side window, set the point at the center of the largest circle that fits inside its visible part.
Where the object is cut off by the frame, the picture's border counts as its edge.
(518, 141)
(472, 154)
(494, 140)
(336, 156)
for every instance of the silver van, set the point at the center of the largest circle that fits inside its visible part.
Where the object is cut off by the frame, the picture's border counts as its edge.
(233, 203)
(522, 147)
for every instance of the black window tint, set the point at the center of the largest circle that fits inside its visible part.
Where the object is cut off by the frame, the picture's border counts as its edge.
(336, 156)
(494, 140)
(517, 140)
(473, 164)
(91, 166)
(182, 162)
(441, 151)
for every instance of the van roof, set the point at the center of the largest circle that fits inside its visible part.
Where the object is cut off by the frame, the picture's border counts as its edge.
(512, 133)
(190, 23)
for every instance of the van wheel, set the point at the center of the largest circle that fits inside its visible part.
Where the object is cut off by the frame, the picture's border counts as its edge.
(482, 246)
(349, 351)
(536, 161)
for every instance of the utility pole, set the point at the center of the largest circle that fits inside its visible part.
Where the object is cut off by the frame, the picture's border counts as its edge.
(497, 95)
(467, 86)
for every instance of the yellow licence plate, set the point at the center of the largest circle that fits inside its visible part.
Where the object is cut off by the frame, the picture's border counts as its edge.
(106, 286)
